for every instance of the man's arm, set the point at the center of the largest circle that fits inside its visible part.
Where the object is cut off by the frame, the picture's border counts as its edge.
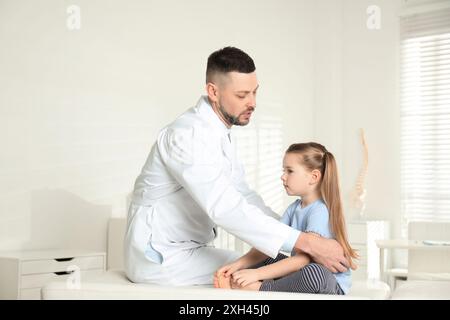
(251, 196)
(196, 163)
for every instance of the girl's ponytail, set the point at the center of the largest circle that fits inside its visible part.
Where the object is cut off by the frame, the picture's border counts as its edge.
(331, 195)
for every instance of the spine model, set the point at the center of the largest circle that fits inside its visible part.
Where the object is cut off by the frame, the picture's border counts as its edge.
(359, 191)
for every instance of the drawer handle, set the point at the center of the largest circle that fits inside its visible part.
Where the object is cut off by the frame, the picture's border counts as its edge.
(64, 259)
(60, 273)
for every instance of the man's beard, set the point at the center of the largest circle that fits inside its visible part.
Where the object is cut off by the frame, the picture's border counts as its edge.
(233, 120)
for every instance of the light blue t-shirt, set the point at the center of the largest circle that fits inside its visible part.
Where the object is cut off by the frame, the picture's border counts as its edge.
(314, 218)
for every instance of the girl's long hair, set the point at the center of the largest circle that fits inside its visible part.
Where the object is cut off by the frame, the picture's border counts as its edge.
(314, 156)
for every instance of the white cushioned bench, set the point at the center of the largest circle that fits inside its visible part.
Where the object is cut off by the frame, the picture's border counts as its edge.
(113, 284)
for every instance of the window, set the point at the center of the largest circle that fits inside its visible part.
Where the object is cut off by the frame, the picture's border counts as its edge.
(425, 116)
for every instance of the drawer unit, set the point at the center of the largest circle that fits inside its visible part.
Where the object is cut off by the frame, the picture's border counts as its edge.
(61, 265)
(38, 280)
(23, 274)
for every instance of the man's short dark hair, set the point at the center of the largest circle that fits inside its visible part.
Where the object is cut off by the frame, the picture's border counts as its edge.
(228, 59)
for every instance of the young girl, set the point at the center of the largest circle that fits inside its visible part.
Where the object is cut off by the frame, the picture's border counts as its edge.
(309, 172)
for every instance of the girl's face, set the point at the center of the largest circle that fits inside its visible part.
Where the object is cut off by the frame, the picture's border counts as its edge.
(297, 180)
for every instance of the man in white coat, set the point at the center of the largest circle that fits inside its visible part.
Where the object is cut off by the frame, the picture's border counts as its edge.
(192, 182)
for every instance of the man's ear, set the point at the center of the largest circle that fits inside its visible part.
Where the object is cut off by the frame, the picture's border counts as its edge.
(212, 91)
(315, 176)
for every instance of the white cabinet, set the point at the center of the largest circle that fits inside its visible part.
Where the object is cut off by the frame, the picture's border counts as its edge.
(362, 235)
(24, 273)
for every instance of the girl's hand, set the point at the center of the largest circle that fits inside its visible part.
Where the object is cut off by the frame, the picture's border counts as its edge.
(246, 276)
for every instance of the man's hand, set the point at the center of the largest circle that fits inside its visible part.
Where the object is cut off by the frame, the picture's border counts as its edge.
(327, 252)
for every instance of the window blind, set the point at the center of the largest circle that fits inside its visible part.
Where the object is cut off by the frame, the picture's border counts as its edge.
(425, 115)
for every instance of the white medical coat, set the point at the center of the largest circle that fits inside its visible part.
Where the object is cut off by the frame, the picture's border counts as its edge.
(191, 182)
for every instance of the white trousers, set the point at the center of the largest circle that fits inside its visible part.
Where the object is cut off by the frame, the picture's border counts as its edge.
(193, 267)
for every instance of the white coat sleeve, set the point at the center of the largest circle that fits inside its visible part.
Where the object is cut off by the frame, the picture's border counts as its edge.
(196, 162)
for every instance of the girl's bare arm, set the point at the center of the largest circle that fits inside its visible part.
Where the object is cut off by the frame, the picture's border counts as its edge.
(283, 267)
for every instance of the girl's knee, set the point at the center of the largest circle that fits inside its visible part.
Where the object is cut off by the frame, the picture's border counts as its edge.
(312, 277)
(313, 267)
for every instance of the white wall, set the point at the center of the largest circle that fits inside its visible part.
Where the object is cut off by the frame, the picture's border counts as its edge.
(365, 75)
(370, 101)
(356, 87)
(79, 110)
